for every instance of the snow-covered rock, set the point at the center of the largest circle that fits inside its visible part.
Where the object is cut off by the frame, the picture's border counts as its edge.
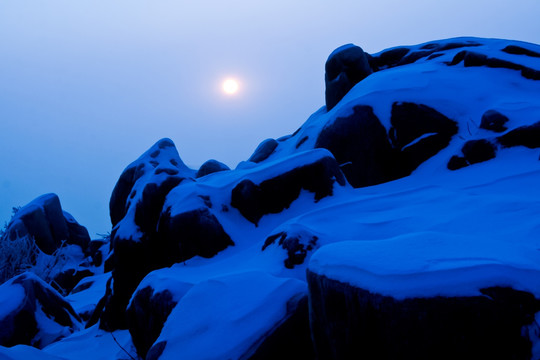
(44, 220)
(33, 313)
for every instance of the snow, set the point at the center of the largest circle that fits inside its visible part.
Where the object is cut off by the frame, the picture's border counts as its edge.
(228, 314)
(11, 297)
(93, 344)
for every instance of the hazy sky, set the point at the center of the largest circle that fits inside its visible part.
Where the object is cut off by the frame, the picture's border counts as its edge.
(88, 86)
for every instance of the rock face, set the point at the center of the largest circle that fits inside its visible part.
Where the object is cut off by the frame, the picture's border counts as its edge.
(419, 132)
(33, 313)
(146, 315)
(345, 67)
(273, 195)
(45, 221)
(349, 322)
(360, 144)
(148, 234)
(135, 208)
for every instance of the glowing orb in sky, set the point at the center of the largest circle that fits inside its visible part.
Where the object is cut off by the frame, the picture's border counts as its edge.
(230, 86)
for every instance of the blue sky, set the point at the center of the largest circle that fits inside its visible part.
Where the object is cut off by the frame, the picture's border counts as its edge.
(88, 86)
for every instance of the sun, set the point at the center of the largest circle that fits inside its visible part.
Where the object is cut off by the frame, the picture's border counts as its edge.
(230, 86)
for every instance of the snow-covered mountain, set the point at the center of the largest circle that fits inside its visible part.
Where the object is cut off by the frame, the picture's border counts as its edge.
(399, 221)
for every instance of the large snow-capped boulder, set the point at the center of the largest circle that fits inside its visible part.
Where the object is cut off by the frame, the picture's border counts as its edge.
(422, 296)
(135, 208)
(361, 146)
(316, 172)
(44, 220)
(33, 313)
(234, 313)
(345, 67)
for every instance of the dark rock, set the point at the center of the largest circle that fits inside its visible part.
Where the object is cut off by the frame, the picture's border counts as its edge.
(66, 280)
(476, 151)
(345, 67)
(457, 162)
(390, 58)
(528, 136)
(531, 74)
(301, 141)
(494, 121)
(29, 321)
(77, 234)
(146, 316)
(97, 251)
(156, 350)
(360, 145)
(44, 220)
(210, 167)
(190, 233)
(296, 244)
(291, 338)
(276, 194)
(414, 56)
(469, 58)
(264, 150)
(518, 50)
(419, 132)
(349, 322)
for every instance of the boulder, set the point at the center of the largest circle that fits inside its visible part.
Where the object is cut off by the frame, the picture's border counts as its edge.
(273, 195)
(146, 314)
(528, 136)
(360, 145)
(33, 313)
(210, 167)
(350, 322)
(519, 50)
(44, 220)
(189, 233)
(272, 312)
(494, 121)
(476, 151)
(291, 338)
(297, 244)
(264, 150)
(346, 66)
(135, 208)
(418, 132)
(457, 162)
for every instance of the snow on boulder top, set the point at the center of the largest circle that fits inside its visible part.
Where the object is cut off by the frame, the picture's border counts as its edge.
(428, 264)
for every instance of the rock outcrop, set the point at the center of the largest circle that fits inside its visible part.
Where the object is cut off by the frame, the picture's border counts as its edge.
(33, 313)
(44, 220)
(345, 67)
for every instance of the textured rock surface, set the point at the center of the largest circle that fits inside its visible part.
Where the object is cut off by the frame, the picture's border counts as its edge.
(349, 322)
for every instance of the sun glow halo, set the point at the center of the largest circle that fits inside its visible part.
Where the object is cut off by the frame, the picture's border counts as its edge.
(230, 86)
